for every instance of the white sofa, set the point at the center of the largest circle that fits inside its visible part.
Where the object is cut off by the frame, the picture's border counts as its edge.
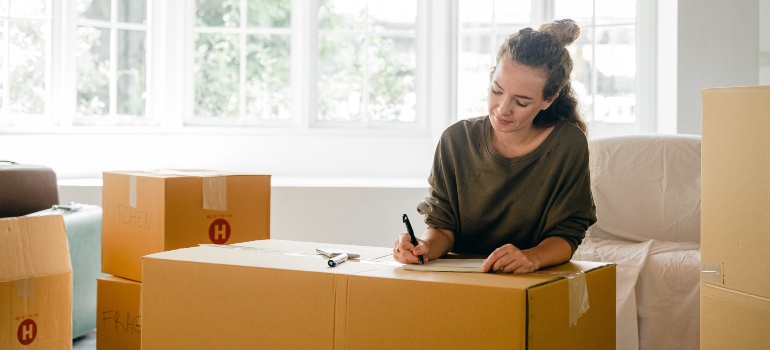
(647, 194)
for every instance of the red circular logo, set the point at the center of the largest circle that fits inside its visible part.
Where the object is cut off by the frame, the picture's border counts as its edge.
(219, 231)
(27, 332)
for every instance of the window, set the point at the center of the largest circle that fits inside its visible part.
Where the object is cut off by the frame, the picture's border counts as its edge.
(242, 53)
(367, 61)
(25, 59)
(111, 61)
(369, 84)
(604, 76)
(482, 26)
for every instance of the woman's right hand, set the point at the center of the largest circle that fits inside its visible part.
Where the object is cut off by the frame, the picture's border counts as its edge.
(406, 253)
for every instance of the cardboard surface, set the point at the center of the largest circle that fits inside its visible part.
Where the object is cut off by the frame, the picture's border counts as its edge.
(735, 221)
(280, 294)
(119, 321)
(35, 284)
(733, 320)
(146, 213)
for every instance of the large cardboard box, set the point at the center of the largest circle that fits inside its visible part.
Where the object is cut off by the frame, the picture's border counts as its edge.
(146, 213)
(280, 294)
(35, 284)
(733, 320)
(119, 320)
(735, 212)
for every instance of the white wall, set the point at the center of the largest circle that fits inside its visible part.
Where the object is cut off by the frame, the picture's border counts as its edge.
(347, 211)
(368, 216)
(717, 44)
(764, 42)
(284, 154)
(667, 51)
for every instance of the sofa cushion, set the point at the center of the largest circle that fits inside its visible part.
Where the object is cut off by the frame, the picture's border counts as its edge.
(647, 187)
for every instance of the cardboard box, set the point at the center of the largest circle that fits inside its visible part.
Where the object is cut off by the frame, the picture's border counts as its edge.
(119, 321)
(146, 213)
(35, 284)
(735, 212)
(733, 320)
(279, 294)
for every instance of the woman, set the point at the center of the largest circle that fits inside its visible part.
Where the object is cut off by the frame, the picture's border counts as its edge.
(513, 185)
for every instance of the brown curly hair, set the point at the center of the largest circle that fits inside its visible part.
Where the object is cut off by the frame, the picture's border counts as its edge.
(545, 49)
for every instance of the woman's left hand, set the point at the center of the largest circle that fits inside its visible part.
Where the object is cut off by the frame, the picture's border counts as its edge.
(509, 259)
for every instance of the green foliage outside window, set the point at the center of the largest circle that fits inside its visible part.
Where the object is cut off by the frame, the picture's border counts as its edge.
(388, 60)
(218, 61)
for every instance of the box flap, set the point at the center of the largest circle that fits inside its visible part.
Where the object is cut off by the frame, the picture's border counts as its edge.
(166, 173)
(735, 193)
(510, 281)
(33, 246)
(371, 253)
(374, 262)
(265, 258)
(732, 320)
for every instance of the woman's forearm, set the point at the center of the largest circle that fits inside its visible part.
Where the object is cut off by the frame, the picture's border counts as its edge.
(551, 251)
(440, 242)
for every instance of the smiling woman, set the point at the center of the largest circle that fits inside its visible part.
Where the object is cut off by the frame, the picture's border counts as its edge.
(515, 184)
(513, 109)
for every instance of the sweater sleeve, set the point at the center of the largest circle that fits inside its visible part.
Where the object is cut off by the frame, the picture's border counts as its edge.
(573, 210)
(436, 207)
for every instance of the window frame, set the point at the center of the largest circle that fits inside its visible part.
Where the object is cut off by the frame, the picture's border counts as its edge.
(28, 120)
(645, 82)
(420, 34)
(114, 119)
(298, 150)
(243, 31)
(170, 110)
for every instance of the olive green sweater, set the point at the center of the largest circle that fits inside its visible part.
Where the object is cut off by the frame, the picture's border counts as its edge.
(488, 200)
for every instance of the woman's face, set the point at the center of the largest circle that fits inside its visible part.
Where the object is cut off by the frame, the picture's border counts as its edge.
(516, 96)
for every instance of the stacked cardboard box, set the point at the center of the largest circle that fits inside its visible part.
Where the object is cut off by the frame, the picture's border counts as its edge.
(35, 284)
(118, 318)
(735, 227)
(281, 294)
(150, 212)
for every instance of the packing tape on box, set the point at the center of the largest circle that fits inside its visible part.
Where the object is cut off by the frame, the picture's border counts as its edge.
(215, 192)
(712, 272)
(578, 292)
(25, 288)
(132, 191)
(578, 296)
(214, 187)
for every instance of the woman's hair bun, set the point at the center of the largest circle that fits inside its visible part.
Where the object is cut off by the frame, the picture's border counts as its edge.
(565, 31)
